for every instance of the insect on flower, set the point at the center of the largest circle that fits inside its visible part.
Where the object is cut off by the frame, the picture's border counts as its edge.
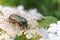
(21, 21)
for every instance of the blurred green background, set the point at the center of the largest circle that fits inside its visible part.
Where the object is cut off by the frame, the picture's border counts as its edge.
(46, 7)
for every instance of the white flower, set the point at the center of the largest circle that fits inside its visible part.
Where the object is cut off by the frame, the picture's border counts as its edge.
(43, 39)
(35, 14)
(21, 11)
(31, 14)
(58, 30)
(8, 11)
(53, 36)
(20, 7)
(58, 22)
(30, 31)
(43, 33)
(33, 11)
(1, 7)
(53, 25)
(52, 28)
(29, 36)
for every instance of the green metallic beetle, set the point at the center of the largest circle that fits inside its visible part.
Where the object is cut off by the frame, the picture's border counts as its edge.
(21, 21)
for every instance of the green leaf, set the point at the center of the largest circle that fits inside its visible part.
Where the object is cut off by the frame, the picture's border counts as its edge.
(21, 37)
(47, 21)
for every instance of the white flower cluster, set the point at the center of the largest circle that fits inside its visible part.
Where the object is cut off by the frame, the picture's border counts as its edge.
(32, 13)
(54, 31)
(37, 32)
(11, 30)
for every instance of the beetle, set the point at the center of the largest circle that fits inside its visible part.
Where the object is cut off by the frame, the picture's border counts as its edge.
(21, 21)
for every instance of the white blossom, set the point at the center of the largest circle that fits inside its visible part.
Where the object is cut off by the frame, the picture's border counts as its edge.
(1, 7)
(52, 28)
(44, 33)
(21, 10)
(29, 36)
(53, 36)
(58, 30)
(58, 22)
(43, 39)
(20, 7)
(35, 14)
